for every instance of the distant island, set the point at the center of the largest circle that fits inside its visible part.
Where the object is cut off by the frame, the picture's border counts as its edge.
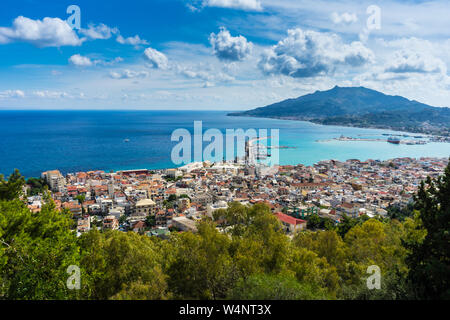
(359, 107)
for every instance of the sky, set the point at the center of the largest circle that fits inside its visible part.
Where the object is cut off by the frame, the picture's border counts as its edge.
(218, 54)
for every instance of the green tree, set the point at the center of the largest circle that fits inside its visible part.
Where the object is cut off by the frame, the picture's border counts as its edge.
(429, 259)
(121, 265)
(274, 287)
(81, 198)
(202, 267)
(37, 186)
(36, 249)
(12, 188)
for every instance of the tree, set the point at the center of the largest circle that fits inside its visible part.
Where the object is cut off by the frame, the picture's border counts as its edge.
(429, 259)
(121, 265)
(37, 186)
(314, 271)
(202, 266)
(11, 189)
(36, 250)
(81, 198)
(150, 221)
(274, 287)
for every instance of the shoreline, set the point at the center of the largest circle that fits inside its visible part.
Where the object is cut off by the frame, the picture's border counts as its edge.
(240, 164)
(334, 125)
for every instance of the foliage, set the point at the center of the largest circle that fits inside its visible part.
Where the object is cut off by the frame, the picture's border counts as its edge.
(429, 259)
(12, 188)
(37, 186)
(36, 250)
(273, 287)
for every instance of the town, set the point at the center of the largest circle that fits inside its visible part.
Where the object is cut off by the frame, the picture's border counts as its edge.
(158, 202)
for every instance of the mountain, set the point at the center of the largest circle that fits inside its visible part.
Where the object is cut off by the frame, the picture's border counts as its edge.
(358, 107)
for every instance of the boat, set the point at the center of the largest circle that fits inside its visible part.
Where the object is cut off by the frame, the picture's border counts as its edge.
(393, 140)
(126, 140)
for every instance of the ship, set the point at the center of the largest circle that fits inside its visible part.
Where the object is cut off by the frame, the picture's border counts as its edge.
(393, 140)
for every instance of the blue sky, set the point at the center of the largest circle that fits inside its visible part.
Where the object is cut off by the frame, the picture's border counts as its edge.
(218, 54)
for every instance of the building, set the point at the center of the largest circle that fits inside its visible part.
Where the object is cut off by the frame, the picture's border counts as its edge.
(290, 223)
(55, 180)
(74, 208)
(203, 199)
(173, 173)
(83, 225)
(139, 226)
(110, 222)
(184, 224)
(145, 207)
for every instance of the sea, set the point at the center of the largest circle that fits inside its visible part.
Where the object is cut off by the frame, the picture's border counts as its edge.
(72, 141)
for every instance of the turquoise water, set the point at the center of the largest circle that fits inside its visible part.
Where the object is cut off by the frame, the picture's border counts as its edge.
(36, 141)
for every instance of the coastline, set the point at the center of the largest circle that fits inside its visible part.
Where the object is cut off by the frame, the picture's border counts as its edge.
(117, 170)
(233, 114)
(80, 141)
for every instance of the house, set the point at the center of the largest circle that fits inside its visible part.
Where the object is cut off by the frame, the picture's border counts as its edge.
(139, 226)
(290, 223)
(145, 207)
(73, 207)
(184, 224)
(83, 225)
(110, 222)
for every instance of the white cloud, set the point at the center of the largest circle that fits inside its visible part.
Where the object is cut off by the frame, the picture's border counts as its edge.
(344, 18)
(408, 60)
(12, 94)
(103, 32)
(135, 41)
(47, 94)
(100, 31)
(309, 53)
(157, 60)
(80, 61)
(50, 32)
(229, 48)
(205, 75)
(128, 74)
(247, 5)
(254, 5)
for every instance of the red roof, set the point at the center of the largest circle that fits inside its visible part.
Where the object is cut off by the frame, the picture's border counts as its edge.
(288, 219)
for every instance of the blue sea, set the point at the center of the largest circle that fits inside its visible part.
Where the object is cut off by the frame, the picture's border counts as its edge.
(72, 141)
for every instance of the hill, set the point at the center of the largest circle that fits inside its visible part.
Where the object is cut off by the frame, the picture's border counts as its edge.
(358, 107)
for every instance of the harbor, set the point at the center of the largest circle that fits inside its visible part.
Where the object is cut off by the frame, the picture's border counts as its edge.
(391, 139)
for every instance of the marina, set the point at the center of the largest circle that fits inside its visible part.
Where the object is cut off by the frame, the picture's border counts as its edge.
(392, 139)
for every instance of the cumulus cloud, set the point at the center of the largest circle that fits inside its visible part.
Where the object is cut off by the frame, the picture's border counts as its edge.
(135, 41)
(247, 5)
(229, 48)
(157, 60)
(344, 18)
(410, 61)
(128, 74)
(309, 53)
(49, 32)
(12, 94)
(100, 31)
(80, 61)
